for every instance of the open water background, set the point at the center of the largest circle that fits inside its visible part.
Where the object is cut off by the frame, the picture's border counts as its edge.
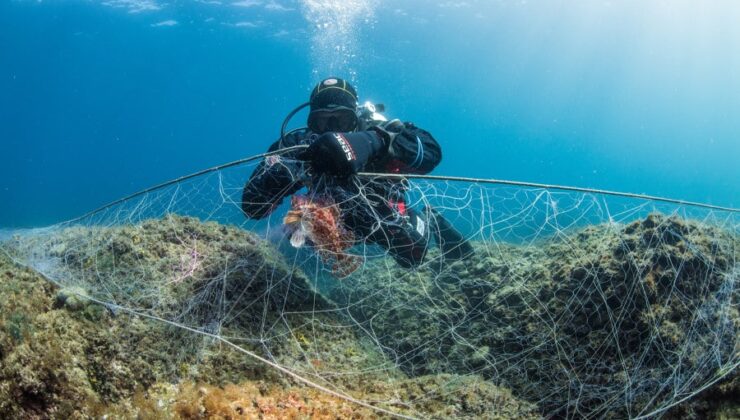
(99, 99)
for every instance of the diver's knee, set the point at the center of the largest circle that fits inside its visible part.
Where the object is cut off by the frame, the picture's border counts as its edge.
(452, 243)
(410, 256)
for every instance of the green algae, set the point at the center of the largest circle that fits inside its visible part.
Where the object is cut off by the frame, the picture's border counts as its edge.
(74, 358)
(610, 309)
(65, 356)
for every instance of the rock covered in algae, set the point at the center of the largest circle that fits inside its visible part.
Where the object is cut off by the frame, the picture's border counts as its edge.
(432, 395)
(593, 321)
(64, 356)
(720, 401)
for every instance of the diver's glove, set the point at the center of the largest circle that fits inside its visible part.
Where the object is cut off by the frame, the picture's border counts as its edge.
(389, 130)
(343, 154)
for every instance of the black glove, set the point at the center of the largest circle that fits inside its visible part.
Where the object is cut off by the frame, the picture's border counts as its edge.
(389, 130)
(343, 154)
(394, 132)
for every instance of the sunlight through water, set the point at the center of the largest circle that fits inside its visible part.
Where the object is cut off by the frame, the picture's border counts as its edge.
(335, 42)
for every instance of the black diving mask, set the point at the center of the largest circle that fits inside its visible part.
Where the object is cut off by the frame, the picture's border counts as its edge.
(339, 119)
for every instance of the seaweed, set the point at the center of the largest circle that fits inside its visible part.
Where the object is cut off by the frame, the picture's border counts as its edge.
(592, 321)
(78, 358)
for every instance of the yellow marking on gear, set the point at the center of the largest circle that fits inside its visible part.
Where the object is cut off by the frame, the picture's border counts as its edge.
(321, 88)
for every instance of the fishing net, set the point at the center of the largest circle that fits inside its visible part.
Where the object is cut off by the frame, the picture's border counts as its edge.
(573, 303)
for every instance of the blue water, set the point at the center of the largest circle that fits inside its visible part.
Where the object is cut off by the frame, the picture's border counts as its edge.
(101, 99)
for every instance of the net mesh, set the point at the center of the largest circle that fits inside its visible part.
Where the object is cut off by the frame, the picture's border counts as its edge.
(579, 304)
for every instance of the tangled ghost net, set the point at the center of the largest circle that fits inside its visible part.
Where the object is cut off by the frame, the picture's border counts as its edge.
(573, 303)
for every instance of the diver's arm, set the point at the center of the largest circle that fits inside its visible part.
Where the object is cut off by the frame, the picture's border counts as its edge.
(410, 149)
(276, 177)
(398, 148)
(343, 154)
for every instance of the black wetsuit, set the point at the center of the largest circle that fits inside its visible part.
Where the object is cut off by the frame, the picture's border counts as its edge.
(375, 211)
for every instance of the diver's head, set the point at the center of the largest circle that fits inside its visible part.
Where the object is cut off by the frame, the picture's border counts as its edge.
(333, 107)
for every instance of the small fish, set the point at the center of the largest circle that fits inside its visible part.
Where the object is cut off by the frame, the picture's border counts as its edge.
(319, 222)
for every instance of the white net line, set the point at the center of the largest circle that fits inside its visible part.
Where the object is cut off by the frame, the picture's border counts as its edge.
(582, 304)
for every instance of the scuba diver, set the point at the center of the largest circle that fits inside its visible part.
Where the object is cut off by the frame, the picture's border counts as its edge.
(342, 139)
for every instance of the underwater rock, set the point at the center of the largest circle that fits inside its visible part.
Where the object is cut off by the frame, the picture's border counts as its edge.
(174, 268)
(608, 313)
(65, 357)
(433, 395)
(604, 313)
(72, 299)
(720, 401)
